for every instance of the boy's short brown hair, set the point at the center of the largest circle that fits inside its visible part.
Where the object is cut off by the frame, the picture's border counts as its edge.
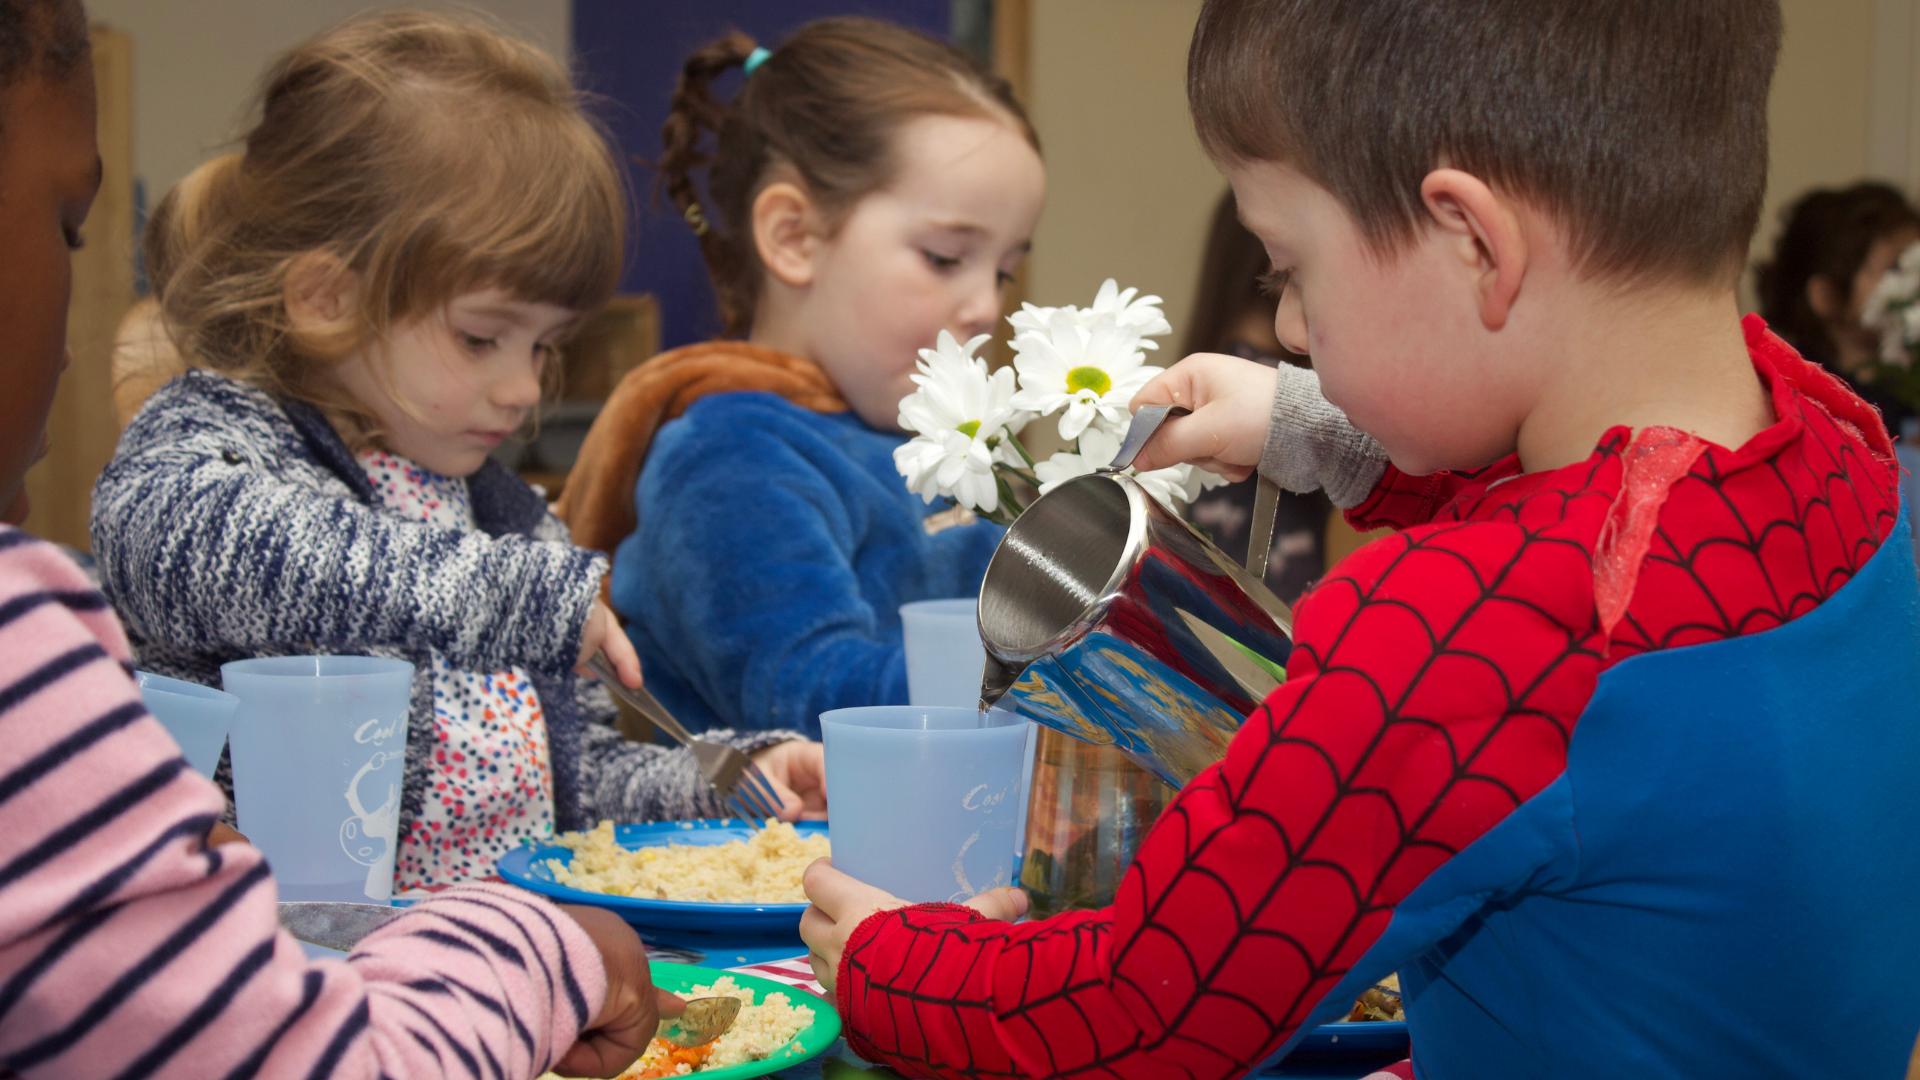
(1640, 125)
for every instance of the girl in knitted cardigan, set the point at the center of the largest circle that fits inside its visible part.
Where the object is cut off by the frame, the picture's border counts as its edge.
(370, 293)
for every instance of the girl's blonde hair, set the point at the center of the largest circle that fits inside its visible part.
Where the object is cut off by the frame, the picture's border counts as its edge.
(429, 155)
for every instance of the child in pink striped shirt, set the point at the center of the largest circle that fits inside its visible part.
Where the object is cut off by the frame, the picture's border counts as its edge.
(128, 945)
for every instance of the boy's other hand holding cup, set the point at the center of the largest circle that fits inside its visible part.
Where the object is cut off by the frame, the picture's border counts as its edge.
(840, 903)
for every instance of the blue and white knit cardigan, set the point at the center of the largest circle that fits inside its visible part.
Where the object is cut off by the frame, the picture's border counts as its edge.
(232, 524)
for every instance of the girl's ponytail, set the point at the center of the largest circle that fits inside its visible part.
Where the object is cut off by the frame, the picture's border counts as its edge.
(695, 111)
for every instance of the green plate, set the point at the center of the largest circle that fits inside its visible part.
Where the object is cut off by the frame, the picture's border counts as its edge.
(822, 1033)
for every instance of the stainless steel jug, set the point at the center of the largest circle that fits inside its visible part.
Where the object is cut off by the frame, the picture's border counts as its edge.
(1106, 616)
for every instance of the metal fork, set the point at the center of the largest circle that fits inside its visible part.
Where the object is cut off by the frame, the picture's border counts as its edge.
(747, 792)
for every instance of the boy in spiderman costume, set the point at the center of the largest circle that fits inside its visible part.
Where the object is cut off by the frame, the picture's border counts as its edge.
(1607, 749)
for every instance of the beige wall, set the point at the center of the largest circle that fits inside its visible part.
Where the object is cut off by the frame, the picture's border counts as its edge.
(196, 62)
(1821, 114)
(1130, 192)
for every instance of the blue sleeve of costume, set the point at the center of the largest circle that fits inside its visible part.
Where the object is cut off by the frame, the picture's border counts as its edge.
(773, 551)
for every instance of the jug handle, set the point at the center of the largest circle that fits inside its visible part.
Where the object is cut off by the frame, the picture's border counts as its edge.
(1140, 429)
(1266, 496)
(1266, 507)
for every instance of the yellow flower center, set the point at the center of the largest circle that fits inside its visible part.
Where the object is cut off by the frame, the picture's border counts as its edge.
(1088, 377)
(969, 428)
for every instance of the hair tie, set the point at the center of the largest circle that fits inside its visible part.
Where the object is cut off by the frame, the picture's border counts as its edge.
(695, 219)
(755, 58)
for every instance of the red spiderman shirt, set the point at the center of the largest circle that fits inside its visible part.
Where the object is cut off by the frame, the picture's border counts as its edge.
(1414, 797)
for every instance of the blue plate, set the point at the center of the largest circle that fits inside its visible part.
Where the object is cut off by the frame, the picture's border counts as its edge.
(527, 867)
(1357, 1037)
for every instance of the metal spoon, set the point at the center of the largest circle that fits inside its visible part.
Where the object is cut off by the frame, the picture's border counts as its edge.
(705, 1020)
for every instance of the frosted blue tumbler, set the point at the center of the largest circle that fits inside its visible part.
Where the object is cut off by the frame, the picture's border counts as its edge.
(927, 801)
(319, 754)
(196, 716)
(944, 656)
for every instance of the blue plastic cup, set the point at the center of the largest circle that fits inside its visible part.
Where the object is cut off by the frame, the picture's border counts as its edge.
(197, 717)
(945, 658)
(927, 801)
(319, 756)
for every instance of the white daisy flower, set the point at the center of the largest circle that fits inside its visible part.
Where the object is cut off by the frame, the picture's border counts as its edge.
(949, 464)
(1896, 288)
(1095, 448)
(1089, 368)
(1033, 319)
(1142, 316)
(1174, 486)
(1901, 355)
(1180, 484)
(959, 413)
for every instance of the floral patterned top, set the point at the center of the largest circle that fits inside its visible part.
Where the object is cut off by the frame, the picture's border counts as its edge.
(493, 781)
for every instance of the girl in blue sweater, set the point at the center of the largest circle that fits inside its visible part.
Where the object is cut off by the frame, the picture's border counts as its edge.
(868, 188)
(371, 294)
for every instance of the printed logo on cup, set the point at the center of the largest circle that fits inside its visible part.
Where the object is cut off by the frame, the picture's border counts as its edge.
(983, 799)
(368, 836)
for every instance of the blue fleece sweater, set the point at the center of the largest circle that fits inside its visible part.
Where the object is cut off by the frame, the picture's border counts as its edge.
(775, 546)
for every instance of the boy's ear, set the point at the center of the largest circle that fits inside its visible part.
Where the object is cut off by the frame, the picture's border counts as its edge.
(1485, 233)
(786, 232)
(319, 292)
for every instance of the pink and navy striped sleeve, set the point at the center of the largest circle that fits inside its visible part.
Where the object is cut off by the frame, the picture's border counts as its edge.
(128, 949)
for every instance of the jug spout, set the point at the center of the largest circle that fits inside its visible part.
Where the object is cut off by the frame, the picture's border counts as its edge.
(996, 680)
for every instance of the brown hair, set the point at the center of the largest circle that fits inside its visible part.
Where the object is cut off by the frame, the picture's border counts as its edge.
(1825, 234)
(1229, 284)
(430, 155)
(41, 37)
(825, 104)
(1640, 125)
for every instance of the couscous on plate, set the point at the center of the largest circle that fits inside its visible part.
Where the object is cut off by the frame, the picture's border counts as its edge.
(763, 869)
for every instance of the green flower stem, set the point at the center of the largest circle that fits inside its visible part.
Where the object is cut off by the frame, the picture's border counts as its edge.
(1020, 448)
(1007, 498)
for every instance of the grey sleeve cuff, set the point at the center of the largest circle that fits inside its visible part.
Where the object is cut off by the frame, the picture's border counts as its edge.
(1312, 447)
